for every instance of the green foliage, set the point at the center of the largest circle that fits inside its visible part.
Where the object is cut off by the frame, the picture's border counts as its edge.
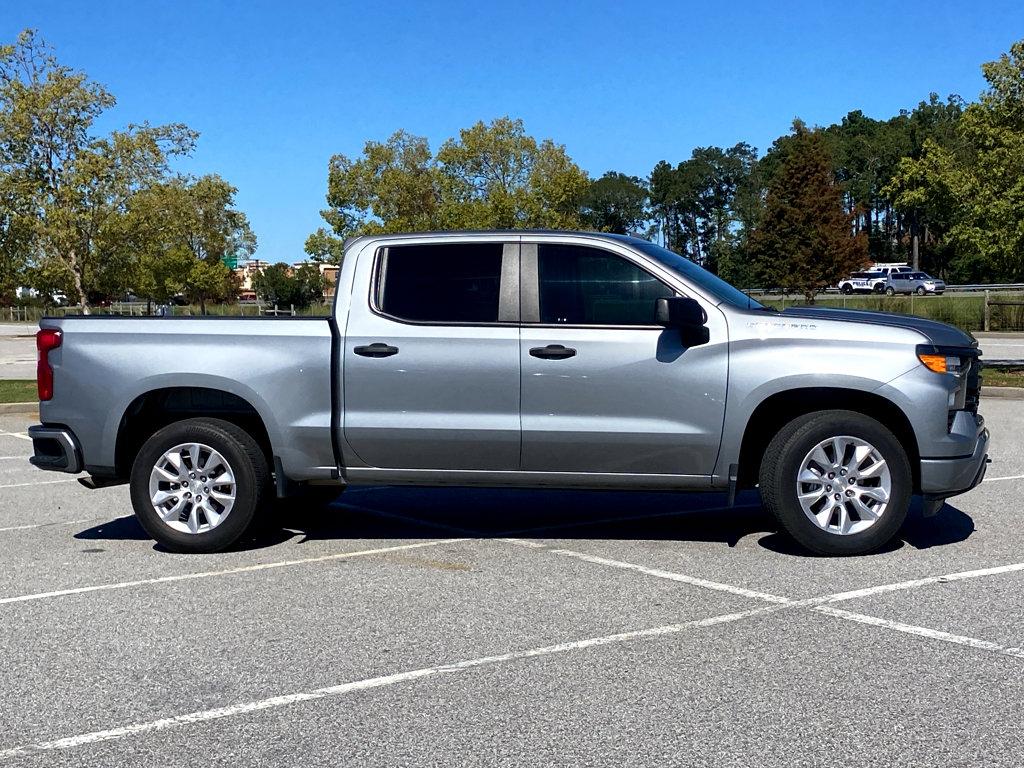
(180, 233)
(74, 183)
(978, 184)
(494, 176)
(284, 285)
(91, 215)
(615, 203)
(707, 205)
(805, 238)
(967, 311)
(325, 248)
(866, 155)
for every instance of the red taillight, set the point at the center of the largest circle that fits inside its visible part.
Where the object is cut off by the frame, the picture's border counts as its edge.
(46, 339)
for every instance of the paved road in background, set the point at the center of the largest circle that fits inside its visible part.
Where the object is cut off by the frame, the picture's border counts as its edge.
(1001, 346)
(503, 627)
(18, 352)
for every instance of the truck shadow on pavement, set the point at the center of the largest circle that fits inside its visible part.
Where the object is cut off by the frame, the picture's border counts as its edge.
(415, 513)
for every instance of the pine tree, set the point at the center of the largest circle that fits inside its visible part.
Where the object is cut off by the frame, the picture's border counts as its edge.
(805, 240)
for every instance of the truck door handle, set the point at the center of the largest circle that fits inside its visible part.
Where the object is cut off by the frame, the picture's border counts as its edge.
(552, 352)
(375, 350)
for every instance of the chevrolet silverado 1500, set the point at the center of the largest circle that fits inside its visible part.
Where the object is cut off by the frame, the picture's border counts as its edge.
(565, 360)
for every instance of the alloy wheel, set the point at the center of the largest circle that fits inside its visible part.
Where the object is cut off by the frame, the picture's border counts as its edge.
(844, 485)
(192, 488)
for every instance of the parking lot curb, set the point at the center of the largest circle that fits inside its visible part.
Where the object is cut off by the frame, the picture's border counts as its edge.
(33, 408)
(1014, 393)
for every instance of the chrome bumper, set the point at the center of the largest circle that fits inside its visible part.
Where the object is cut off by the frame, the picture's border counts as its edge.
(55, 448)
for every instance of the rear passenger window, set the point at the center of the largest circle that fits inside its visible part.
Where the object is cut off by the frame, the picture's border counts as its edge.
(587, 286)
(444, 283)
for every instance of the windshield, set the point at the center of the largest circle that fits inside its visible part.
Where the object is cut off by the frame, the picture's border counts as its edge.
(712, 284)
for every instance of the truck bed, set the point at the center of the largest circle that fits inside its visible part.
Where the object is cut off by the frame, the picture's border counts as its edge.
(279, 368)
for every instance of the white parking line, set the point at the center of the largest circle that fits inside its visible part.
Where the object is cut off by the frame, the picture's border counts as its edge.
(23, 436)
(20, 456)
(626, 519)
(221, 572)
(54, 523)
(776, 603)
(37, 483)
(924, 632)
(909, 584)
(369, 683)
(675, 577)
(821, 604)
(1004, 478)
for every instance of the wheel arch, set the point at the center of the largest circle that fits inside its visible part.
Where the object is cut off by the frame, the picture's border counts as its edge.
(160, 407)
(780, 408)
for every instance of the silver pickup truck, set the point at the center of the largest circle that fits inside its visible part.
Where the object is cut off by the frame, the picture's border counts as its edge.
(539, 359)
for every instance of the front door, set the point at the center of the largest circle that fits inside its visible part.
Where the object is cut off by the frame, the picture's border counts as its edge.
(431, 359)
(605, 389)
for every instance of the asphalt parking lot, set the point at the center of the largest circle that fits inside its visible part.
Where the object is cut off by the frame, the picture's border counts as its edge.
(499, 627)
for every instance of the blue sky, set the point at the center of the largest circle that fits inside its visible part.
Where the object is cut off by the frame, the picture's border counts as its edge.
(276, 88)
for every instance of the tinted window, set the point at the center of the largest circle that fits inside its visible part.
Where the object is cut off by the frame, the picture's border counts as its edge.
(712, 284)
(586, 286)
(451, 283)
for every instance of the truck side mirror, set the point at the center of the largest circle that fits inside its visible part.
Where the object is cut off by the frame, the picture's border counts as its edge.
(686, 315)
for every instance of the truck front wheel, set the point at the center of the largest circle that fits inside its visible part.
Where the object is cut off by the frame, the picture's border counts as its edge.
(838, 482)
(197, 484)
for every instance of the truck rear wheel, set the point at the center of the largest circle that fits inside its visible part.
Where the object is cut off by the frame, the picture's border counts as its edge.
(838, 482)
(196, 485)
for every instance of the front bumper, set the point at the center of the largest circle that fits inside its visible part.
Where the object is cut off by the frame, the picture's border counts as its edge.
(947, 477)
(55, 448)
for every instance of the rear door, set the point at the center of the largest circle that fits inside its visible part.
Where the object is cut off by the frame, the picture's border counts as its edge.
(606, 389)
(431, 358)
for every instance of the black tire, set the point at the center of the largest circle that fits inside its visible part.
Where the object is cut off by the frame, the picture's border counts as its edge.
(921, 291)
(890, 291)
(847, 289)
(780, 469)
(252, 483)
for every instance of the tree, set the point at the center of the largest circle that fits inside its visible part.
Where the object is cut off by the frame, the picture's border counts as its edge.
(977, 184)
(283, 284)
(16, 229)
(181, 234)
(707, 204)
(75, 183)
(325, 248)
(615, 203)
(492, 176)
(805, 239)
